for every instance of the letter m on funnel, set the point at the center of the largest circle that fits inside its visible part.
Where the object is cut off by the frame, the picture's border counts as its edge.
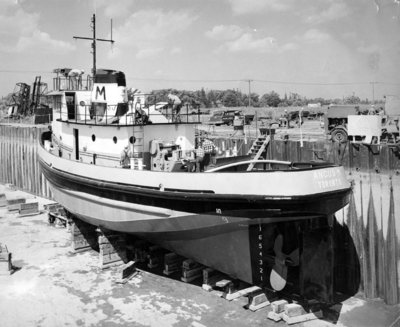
(101, 93)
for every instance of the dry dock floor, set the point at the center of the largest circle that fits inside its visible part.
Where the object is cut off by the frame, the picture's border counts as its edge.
(54, 287)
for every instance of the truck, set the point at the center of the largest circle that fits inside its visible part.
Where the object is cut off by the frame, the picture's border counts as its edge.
(373, 126)
(336, 120)
(226, 117)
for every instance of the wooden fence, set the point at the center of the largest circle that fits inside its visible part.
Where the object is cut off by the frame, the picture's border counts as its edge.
(372, 217)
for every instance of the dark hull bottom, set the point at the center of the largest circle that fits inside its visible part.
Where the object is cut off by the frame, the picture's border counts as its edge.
(242, 251)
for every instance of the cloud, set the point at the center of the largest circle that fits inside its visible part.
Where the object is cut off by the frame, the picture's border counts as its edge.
(150, 31)
(237, 39)
(115, 8)
(315, 36)
(20, 31)
(224, 33)
(336, 10)
(147, 53)
(176, 50)
(240, 7)
(247, 43)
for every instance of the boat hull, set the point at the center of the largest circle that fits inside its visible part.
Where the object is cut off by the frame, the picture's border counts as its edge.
(218, 230)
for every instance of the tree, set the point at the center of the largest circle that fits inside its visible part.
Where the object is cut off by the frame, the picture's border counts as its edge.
(270, 99)
(352, 99)
(230, 98)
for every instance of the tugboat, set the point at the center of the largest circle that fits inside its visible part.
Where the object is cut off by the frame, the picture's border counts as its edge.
(157, 196)
(209, 216)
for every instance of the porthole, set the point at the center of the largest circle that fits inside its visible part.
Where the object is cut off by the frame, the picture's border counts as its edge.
(115, 139)
(132, 139)
(93, 137)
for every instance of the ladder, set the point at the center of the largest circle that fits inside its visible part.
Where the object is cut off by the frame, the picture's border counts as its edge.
(257, 149)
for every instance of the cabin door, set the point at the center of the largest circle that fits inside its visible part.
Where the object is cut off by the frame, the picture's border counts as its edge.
(76, 143)
(70, 100)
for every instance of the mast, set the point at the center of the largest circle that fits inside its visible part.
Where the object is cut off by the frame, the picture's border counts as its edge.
(94, 39)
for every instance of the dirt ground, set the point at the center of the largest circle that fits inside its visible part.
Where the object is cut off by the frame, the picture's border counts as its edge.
(52, 286)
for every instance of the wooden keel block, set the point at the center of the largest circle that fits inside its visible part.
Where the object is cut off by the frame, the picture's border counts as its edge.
(27, 209)
(172, 263)
(191, 270)
(278, 306)
(257, 300)
(293, 310)
(15, 204)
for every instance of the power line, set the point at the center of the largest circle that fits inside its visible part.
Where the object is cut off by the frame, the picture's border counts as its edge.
(222, 80)
(26, 71)
(258, 80)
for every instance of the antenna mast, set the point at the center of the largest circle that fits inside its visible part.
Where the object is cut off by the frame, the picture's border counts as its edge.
(94, 39)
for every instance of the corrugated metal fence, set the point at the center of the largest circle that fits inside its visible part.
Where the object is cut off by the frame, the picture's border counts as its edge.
(18, 159)
(372, 217)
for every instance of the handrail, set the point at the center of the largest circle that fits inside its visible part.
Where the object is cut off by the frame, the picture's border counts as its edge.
(85, 114)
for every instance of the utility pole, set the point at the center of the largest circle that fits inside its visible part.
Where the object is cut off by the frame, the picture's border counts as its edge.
(94, 39)
(373, 91)
(249, 81)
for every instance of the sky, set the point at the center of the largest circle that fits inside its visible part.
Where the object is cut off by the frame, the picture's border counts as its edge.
(319, 48)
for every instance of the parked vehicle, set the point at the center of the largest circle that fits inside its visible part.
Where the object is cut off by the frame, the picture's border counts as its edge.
(226, 117)
(336, 119)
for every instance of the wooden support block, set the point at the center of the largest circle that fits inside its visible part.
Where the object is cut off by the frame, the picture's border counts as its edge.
(302, 318)
(139, 250)
(210, 282)
(293, 310)
(278, 306)
(28, 209)
(84, 236)
(127, 271)
(191, 270)
(257, 300)
(191, 278)
(5, 261)
(172, 263)
(223, 283)
(15, 204)
(112, 248)
(244, 292)
(189, 264)
(155, 256)
(3, 200)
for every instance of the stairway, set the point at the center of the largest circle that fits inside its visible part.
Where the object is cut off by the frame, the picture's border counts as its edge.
(258, 148)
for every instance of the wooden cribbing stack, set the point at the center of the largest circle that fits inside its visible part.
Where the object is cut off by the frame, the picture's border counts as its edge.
(191, 270)
(155, 256)
(84, 236)
(172, 263)
(140, 249)
(112, 247)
